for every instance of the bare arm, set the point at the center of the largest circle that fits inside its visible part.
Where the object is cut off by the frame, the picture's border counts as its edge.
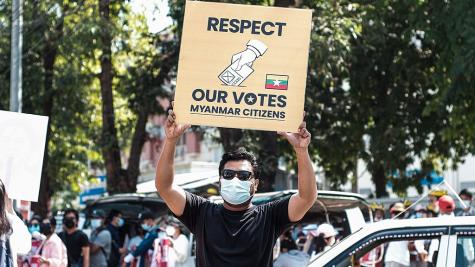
(173, 195)
(94, 248)
(85, 256)
(303, 200)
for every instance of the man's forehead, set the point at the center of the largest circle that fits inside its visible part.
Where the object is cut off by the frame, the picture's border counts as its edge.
(238, 165)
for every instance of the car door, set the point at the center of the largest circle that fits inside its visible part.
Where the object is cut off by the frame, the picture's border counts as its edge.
(373, 250)
(461, 246)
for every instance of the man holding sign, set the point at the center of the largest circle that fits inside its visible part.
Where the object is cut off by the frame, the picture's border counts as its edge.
(236, 233)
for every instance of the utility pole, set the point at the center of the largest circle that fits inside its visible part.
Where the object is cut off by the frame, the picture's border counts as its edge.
(16, 77)
(16, 55)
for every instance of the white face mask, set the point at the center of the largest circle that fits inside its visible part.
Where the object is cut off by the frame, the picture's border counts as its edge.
(235, 191)
(96, 223)
(170, 230)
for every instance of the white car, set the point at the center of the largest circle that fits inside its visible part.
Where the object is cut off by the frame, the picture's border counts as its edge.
(455, 246)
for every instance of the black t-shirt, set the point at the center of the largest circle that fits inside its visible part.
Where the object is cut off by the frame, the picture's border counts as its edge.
(234, 238)
(74, 243)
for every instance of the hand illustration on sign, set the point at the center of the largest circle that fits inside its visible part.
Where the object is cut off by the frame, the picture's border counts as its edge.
(241, 63)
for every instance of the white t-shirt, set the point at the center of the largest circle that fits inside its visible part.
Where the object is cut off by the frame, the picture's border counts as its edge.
(20, 239)
(397, 251)
(180, 254)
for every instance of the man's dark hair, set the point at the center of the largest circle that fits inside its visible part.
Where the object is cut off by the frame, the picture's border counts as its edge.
(146, 215)
(76, 213)
(52, 220)
(113, 213)
(237, 155)
(467, 193)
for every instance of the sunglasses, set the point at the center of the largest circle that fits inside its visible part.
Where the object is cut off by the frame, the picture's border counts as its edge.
(241, 175)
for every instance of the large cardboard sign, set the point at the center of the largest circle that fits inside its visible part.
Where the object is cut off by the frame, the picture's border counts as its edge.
(22, 145)
(243, 66)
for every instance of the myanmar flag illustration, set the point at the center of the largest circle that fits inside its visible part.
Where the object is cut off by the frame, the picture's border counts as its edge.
(278, 82)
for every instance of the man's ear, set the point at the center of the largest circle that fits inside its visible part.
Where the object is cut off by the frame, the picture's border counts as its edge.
(256, 184)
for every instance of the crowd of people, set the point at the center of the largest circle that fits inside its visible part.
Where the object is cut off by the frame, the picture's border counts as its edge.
(105, 243)
(160, 242)
(300, 243)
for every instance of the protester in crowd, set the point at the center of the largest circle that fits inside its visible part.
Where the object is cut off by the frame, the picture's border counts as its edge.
(301, 240)
(221, 238)
(467, 198)
(100, 244)
(52, 250)
(320, 240)
(434, 196)
(34, 224)
(397, 252)
(132, 245)
(145, 249)
(36, 240)
(77, 243)
(14, 236)
(114, 223)
(446, 206)
(292, 258)
(419, 253)
(419, 212)
(468, 245)
(287, 243)
(378, 211)
(431, 211)
(296, 229)
(172, 249)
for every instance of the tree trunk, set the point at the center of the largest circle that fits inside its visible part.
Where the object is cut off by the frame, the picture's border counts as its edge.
(379, 179)
(268, 158)
(50, 53)
(354, 180)
(138, 140)
(231, 139)
(117, 181)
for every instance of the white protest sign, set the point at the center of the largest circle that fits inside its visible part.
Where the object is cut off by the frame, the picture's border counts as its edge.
(22, 145)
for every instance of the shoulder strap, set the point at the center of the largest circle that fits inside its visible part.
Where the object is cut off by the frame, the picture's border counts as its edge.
(8, 255)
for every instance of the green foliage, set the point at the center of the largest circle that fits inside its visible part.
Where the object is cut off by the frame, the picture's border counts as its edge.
(388, 82)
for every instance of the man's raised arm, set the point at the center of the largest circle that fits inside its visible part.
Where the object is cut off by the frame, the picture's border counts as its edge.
(303, 200)
(173, 195)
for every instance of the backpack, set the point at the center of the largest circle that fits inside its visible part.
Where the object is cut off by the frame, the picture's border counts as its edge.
(6, 258)
(114, 257)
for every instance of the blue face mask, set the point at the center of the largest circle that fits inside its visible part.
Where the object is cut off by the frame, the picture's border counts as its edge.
(34, 228)
(146, 227)
(235, 191)
(96, 223)
(120, 223)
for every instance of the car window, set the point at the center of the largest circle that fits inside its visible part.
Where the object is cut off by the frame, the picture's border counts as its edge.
(391, 248)
(465, 254)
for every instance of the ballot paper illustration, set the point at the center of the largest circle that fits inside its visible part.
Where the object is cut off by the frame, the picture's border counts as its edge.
(241, 63)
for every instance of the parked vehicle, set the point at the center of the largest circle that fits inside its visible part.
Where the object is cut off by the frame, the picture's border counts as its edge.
(347, 212)
(455, 236)
(130, 205)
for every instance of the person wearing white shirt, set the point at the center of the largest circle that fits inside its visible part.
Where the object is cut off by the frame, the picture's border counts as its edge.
(397, 252)
(180, 246)
(15, 239)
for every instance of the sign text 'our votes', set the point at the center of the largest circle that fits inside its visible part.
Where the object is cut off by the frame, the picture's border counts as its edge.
(241, 26)
(219, 96)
